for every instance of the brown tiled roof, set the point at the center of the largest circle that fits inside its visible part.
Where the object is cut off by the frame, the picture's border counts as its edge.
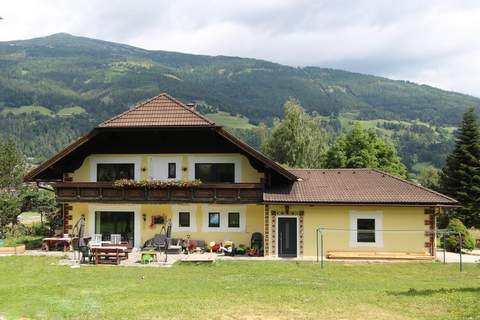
(356, 186)
(160, 111)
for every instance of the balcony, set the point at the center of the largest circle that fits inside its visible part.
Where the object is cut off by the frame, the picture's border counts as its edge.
(205, 193)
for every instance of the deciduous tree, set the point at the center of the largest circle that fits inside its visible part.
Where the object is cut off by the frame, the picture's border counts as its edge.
(360, 148)
(297, 140)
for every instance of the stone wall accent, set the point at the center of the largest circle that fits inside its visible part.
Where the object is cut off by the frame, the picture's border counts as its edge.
(67, 217)
(430, 233)
(67, 177)
(266, 235)
(273, 229)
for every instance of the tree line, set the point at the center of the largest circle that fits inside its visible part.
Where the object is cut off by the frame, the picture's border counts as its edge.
(300, 140)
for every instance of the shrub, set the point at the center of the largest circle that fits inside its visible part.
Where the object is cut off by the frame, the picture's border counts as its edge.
(30, 242)
(452, 241)
(38, 229)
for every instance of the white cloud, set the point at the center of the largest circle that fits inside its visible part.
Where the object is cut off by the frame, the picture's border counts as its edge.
(433, 42)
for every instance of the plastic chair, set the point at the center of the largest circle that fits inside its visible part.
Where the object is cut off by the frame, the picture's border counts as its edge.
(147, 258)
(96, 240)
(86, 253)
(115, 238)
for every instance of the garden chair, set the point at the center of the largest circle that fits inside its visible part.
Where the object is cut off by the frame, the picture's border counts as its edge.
(115, 238)
(96, 240)
(146, 258)
(86, 253)
(174, 245)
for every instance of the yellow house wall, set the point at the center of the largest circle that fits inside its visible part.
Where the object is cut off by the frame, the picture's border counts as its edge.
(405, 218)
(253, 219)
(248, 173)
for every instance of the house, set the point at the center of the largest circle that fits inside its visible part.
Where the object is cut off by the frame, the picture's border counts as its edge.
(162, 140)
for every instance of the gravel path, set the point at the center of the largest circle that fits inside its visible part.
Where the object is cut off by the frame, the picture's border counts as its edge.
(451, 257)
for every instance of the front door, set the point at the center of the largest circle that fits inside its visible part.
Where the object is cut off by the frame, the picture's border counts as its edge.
(287, 237)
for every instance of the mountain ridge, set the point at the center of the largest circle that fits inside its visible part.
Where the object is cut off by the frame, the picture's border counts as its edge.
(55, 88)
(324, 90)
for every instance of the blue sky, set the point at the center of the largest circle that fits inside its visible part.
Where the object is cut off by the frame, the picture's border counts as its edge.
(431, 42)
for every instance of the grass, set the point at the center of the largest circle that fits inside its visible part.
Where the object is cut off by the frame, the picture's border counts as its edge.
(227, 120)
(27, 109)
(71, 111)
(238, 290)
(475, 233)
(29, 217)
(44, 111)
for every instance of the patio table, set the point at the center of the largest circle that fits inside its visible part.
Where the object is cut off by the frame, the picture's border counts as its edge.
(108, 254)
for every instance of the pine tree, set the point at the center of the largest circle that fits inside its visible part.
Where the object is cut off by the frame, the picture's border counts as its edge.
(460, 178)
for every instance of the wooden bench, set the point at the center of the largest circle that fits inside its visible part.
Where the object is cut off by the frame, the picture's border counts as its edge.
(109, 255)
(365, 255)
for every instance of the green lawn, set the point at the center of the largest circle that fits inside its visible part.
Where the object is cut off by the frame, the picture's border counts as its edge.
(35, 287)
(27, 109)
(71, 111)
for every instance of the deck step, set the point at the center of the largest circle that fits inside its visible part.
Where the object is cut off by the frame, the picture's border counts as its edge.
(198, 259)
(378, 255)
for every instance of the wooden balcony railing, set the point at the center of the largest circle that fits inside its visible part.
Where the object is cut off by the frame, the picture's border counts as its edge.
(205, 193)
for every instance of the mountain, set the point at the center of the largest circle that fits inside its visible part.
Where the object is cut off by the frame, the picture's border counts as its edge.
(54, 88)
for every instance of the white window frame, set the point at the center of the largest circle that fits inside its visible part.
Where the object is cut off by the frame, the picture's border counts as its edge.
(94, 161)
(375, 215)
(237, 163)
(224, 218)
(277, 237)
(161, 164)
(176, 218)
(118, 208)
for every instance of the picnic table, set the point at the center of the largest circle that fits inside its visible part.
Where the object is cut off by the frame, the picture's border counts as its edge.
(109, 254)
(53, 242)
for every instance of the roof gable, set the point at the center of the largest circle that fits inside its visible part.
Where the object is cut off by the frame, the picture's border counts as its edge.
(354, 186)
(160, 111)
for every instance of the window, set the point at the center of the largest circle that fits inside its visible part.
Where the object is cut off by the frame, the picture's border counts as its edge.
(234, 220)
(215, 172)
(184, 219)
(214, 220)
(172, 170)
(366, 230)
(109, 172)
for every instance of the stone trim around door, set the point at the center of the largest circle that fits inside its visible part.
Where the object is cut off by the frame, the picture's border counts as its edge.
(431, 225)
(266, 235)
(272, 230)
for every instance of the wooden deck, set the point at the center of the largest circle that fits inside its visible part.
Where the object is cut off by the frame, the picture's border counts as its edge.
(363, 255)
